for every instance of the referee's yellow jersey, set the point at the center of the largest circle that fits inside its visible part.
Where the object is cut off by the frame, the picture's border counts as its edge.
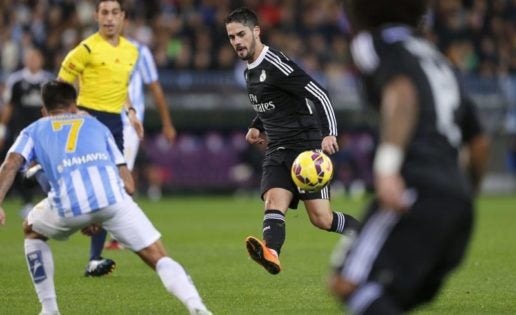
(104, 72)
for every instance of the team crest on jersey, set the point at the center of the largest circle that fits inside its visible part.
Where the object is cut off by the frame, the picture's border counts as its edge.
(263, 76)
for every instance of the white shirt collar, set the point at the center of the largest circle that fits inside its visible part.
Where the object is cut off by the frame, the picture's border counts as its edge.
(260, 58)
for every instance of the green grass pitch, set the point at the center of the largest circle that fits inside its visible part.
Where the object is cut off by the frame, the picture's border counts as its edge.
(206, 234)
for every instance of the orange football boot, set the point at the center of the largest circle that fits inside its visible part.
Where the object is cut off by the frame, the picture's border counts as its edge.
(263, 255)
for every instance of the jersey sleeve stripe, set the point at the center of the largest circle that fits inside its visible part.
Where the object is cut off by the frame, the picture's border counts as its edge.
(364, 53)
(276, 61)
(326, 104)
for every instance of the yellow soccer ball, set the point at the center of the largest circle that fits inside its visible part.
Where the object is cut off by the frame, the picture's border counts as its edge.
(312, 170)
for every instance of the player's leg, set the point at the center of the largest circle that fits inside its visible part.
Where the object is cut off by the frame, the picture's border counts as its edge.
(41, 224)
(352, 281)
(174, 277)
(445, 248)
(276, 187)
(319, 211)
(97, 265)
(266, 253)
(41, 269)
(128, 224)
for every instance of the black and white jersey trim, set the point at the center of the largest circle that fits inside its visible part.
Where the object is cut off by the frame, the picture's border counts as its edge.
(368, 244)
(275, 60)
(326, 104)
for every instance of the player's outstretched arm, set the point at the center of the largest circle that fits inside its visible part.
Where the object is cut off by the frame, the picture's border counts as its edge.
(399, 112)
(168, 130)
(127, 178)
(130, 111)
(8, 171)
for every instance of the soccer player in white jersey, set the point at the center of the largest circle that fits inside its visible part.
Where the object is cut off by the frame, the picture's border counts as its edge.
(83, 163)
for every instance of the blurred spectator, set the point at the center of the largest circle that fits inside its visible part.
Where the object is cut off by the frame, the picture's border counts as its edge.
(22, 107)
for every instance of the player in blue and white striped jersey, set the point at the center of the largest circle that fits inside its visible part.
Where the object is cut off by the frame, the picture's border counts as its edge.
(83, 178)
(145, 73)
(83, 164)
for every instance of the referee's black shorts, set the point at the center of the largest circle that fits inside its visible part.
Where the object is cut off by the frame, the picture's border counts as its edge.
(411, 254)
(111, 120)
(276, 174)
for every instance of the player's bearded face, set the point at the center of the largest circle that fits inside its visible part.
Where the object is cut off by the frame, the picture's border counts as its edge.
(248, 53)
(242, 39)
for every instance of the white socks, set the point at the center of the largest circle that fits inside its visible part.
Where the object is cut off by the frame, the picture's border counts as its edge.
(178, 283)
(41, 268)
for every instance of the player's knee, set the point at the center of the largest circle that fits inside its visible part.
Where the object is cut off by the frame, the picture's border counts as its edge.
(321, 221)
(152, 253)
(340, 287)
(27, 228)
(29, 233)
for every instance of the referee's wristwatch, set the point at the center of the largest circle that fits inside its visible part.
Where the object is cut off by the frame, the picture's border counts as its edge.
(130, 109)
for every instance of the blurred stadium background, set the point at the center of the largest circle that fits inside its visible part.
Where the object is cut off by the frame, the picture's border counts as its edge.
(205, 89)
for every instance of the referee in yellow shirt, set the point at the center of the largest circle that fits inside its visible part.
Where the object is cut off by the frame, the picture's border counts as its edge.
(103, 63)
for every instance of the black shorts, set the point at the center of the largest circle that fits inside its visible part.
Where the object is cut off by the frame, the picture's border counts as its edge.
(410, 255)
(276, 174)
(112, 121)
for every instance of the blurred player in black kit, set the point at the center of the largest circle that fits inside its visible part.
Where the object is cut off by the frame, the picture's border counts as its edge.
(278, 90)
(22, 97)
(418, 227)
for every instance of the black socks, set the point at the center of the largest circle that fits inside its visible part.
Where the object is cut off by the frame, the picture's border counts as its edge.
(343, 223)
(274, 229)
